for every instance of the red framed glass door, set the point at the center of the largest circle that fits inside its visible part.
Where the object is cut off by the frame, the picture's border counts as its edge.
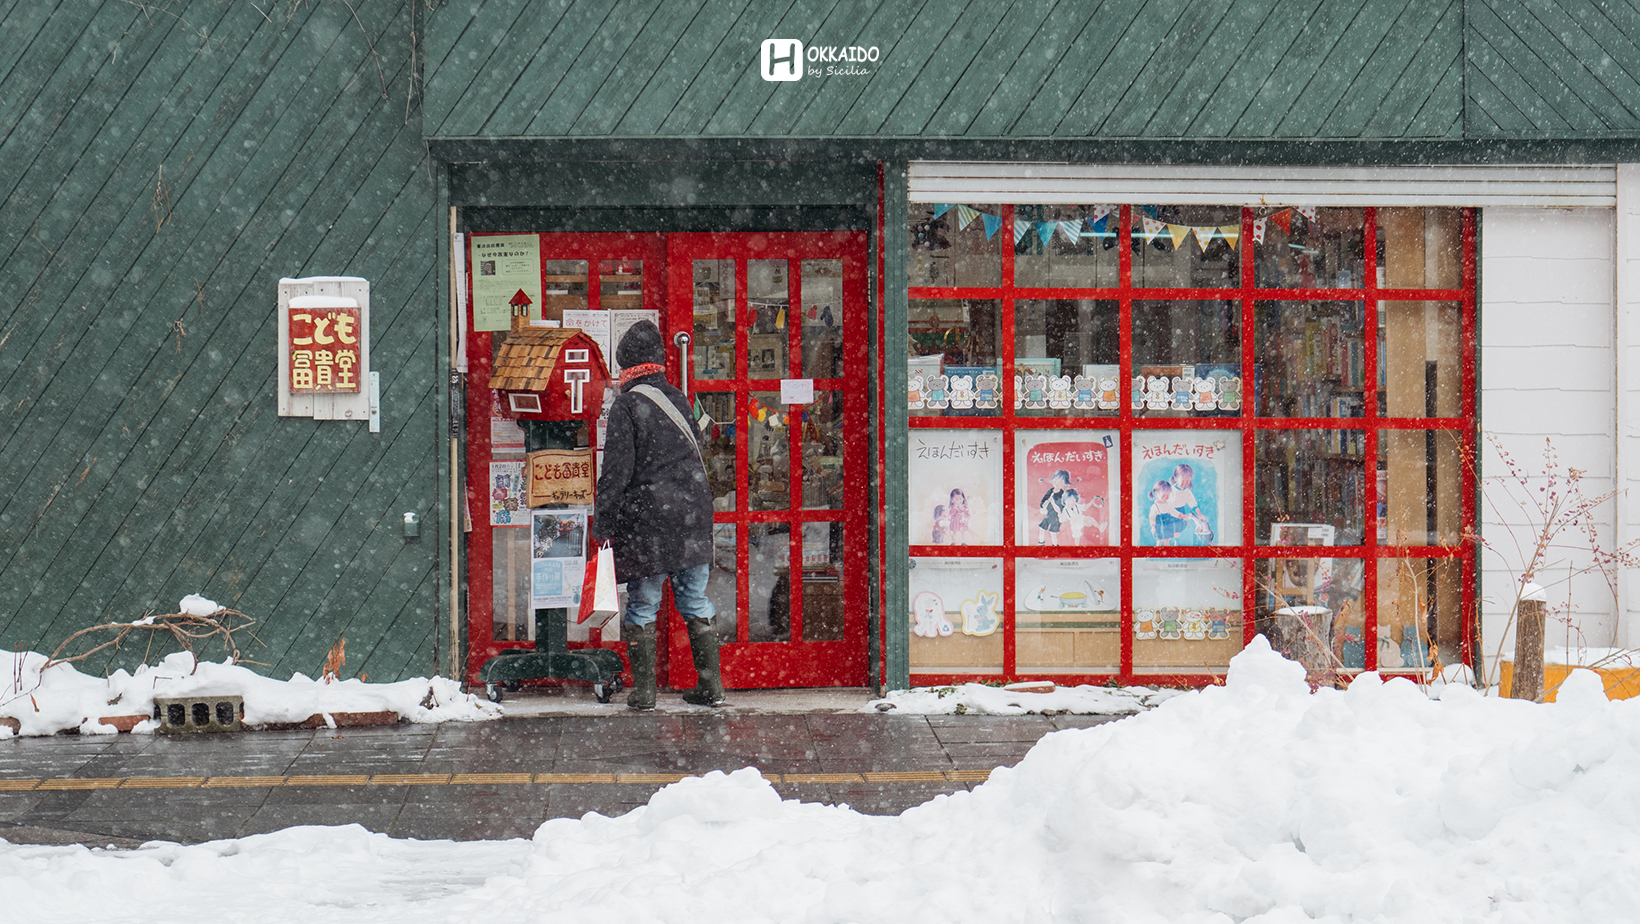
(774, 329)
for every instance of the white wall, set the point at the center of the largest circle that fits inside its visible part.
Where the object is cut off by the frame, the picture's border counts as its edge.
(1548, 369)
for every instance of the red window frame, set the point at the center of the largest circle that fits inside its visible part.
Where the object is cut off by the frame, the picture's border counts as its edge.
(1248, 424)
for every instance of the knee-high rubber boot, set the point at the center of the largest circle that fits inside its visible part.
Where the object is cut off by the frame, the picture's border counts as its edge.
(703, 645)
(640, 649)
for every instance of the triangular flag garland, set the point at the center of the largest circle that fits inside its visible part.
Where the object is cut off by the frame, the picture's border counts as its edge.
(762, 413)
(1098, 224)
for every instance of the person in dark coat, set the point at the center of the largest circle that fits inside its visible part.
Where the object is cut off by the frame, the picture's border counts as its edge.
(654, 507)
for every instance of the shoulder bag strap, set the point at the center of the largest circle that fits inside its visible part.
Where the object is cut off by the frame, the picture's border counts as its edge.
(665, 404)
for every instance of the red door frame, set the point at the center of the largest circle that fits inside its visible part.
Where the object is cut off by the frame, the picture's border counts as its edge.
(794, 663)
(593, 248)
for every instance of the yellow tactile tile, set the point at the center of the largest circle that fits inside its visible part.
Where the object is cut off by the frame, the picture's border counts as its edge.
(821, 778)
(161, 782)
(906, 776)
(492, 778)
(81, 783)
(410, 779)
(650, 777)
(244, 781)
(18, 785)
(323, 779)
(968, 776)
(575, 777)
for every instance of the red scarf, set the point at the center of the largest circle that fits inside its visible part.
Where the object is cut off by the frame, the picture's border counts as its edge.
(639, 371)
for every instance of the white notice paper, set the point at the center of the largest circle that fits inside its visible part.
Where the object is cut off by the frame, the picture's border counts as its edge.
(797, 391)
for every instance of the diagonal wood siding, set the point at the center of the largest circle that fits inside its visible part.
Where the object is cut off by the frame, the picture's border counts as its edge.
(1553, 68)
(1156, 69)
(162, 165)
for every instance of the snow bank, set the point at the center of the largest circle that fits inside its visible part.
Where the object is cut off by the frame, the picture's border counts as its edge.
(979, 699)
(1254, 802)
(46, 701)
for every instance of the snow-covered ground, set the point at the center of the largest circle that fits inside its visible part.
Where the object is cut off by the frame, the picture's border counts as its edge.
(979, 699)
(1258, 801)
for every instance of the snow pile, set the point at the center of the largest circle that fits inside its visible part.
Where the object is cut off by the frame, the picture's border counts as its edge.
(1256, 802)
(979, 699)
(46, 701)
(1603, 658)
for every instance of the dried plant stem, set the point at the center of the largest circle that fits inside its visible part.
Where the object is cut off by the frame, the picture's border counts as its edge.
(185, 628)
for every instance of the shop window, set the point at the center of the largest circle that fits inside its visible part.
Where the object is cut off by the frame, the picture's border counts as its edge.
(1161, 405)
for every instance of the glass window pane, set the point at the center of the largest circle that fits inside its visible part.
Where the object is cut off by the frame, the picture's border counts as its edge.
(822, 428)
(1420, 346)
(1310, 610)
(822, 330)
(1420, 485)
(1310, 485)
(1066, 487)
(1311, 357)
(1067, 615)
(956, 615)
(768, 297)
(1310, 249)
(722, 588)
(1420, 248)
(1187, 487)
(1065, 246)
(954, 341)
(565, 287)
(714, 320)
(823, 582)
(718, 446)
(1186, 246)
(769, 575)
(1186, 614)
(954, 248)
(620, 284)
(1065, 357)
(955, 487)
(768, 452)
(510, 580)
(1187, 359)
(1420, 602)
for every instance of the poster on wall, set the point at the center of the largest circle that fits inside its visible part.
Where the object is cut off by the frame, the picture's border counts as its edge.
(506, 270)
(507, 489)
(558, 543)
(1065, 491)
(1186, 487)
(955, 485)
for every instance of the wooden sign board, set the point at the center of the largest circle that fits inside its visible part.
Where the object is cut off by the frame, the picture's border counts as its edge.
(559, 476)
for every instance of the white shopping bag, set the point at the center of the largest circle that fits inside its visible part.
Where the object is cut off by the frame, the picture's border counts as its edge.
(598, 596)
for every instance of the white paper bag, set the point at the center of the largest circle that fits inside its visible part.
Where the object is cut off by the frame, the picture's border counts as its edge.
(599, 600)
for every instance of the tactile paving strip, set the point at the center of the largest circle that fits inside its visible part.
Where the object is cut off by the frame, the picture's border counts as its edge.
(467, 779)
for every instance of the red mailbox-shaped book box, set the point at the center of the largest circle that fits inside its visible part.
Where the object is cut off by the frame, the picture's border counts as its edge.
(549, 373)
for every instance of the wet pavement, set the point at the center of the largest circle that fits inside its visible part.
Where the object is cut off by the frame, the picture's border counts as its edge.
(468, 781)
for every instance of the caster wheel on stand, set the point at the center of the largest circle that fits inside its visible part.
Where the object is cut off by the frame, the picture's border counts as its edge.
(492, 692)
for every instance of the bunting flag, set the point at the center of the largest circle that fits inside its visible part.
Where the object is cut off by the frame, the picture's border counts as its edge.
(1283, 220)
(1258, 229)
(1099, 213)
(1044, 230)
(1178, 233)
(780, 319)
(1153, 228)
(1021, 226)
(1230, 233)
(1101, 224)
(1071, 231)
(965, 217)
(1204, 236)
(992, 223)
(941, 209)
(1309, 212)
(1098, 222)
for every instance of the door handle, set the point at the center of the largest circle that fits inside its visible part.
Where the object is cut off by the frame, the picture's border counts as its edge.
(682, 343)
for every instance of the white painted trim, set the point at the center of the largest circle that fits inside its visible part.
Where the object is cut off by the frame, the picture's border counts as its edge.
(1551, 185)
(1626, 374)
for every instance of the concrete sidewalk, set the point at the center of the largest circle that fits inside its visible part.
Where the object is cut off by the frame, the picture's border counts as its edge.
(554, 756)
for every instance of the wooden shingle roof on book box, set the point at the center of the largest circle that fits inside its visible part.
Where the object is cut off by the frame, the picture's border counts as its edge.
(550, 373)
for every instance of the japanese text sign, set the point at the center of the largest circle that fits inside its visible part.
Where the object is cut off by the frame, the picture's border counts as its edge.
(324, 350)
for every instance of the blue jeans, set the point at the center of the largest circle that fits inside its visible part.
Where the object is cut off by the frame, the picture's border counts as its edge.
(643, 596)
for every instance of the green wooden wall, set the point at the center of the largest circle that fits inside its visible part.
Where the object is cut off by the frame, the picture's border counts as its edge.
(1553, 68)
(1220, 69)
(162, 165)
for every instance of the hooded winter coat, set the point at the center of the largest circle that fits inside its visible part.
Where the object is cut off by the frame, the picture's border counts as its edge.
(653, 503)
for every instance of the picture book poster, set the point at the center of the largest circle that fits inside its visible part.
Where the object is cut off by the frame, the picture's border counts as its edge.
(955, 487)
(1065, 493)
(558, 543)
(507, 488)
(506, 272)
(1186, 487)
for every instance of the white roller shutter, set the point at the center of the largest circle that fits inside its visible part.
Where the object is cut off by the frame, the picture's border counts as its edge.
(1583, 186)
